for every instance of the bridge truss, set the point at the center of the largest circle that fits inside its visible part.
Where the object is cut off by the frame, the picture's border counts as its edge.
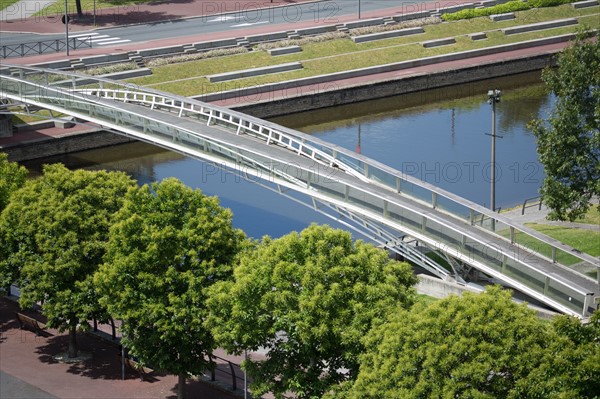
(393, 209)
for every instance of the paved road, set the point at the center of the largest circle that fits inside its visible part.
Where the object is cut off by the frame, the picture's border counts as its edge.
(232, 18)
(15, 388)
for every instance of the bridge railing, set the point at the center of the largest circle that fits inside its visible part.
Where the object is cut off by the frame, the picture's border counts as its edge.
(340, 159)
(348, 161)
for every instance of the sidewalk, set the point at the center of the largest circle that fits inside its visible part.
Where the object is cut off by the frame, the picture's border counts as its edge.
(18, 17)
(534, 213)
(165, 12)
(28, 369)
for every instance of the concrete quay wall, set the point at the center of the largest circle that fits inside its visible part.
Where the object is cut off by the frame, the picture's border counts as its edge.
(81, 141)
(270, 105)
(328, 95)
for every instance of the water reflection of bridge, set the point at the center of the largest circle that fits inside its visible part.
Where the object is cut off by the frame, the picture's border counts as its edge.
(391, 208)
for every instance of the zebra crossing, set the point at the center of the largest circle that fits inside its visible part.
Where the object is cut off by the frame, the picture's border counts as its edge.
(99, 39)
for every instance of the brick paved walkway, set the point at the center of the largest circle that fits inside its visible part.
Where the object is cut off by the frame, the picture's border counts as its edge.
(28, 370)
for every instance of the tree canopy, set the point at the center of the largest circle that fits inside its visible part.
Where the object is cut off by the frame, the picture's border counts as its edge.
(570, 368)
(55, 232)
(12, 177)
(569, 141)
(475, 346)
(307, 299)
(169, 244)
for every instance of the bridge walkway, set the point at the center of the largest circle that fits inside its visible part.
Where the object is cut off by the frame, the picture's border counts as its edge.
(324, 176)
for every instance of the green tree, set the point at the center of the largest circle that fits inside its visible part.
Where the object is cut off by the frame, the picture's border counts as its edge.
(307, 299)
(169, 244)
(475, 346)
(12, 177)
(569, 141)
(571, 366)
(55, 230)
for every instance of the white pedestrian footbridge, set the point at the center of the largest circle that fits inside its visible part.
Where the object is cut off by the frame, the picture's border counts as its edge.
(408, 216)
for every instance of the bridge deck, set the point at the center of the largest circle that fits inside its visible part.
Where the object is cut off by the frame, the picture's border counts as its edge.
(323, 174)
(299, 165)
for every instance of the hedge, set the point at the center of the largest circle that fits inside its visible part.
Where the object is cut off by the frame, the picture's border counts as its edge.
(511, 6)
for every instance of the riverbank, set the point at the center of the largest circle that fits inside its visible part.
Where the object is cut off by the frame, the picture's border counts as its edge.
(44, 142)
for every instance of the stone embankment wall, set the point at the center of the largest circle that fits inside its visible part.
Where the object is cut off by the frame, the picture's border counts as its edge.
(328, 95)
(63, 145)
(297, 101)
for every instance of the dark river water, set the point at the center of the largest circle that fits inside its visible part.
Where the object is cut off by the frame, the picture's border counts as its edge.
(438, 136)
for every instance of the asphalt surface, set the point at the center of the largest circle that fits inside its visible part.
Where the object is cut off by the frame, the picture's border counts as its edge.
(15, 388)
(169, 20)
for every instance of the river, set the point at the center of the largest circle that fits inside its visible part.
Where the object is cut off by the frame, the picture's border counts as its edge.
(441, 136)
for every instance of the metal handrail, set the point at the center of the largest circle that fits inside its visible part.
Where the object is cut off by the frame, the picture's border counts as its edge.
(226, 116)
(538, 202)
(232, 365)
(303, 145)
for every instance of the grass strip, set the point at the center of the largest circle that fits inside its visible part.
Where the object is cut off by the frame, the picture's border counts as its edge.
(6, 3)
(338, 55)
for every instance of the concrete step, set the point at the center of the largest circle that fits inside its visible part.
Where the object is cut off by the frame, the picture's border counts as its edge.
(190, 48)
(77, 64)
(138, 59)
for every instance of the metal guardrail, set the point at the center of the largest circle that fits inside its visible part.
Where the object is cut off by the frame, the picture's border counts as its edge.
(45, 46)
(530, 203)
(230, 371)
(35, 86)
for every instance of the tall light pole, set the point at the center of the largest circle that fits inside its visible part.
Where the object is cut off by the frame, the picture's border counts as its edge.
(359, 9)
(493, 98)
(245, 376)
(67, 26)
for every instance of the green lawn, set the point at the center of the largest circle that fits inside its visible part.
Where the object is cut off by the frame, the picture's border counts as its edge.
(592, 216)
(6, 3)
(426, 300)
(189, 78)
(587, 241)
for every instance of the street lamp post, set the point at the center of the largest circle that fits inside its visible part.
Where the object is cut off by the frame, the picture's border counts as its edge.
(245, 376)
(67, 26)
(493, 98)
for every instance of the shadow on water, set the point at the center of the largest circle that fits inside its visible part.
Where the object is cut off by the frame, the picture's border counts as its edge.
(434, 135)
(467, 96)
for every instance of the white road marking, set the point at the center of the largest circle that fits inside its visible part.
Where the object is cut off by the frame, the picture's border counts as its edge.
(83, 34)
(221, 18)
(250, 24)
(114, 41)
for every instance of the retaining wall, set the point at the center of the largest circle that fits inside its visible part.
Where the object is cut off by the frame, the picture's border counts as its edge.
(437, 288)
(220, 77)
(386, 35)
(323, 80)
(328, 95)
(313, 97)
(539, 26)
(63, 145)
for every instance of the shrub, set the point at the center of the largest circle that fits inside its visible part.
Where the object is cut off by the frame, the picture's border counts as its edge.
(511, 6)
(102, 70)
(220, 52)
(547, 3)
